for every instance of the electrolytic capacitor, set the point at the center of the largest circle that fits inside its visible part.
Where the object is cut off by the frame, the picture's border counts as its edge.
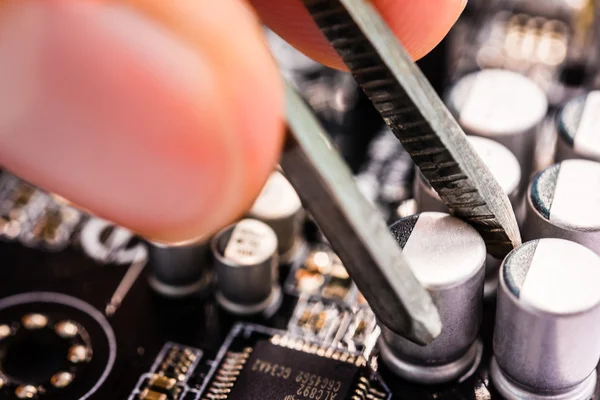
(503, 106)
(179, 270)
(547, 322)
(447, 256)
(279, 206)
(563, 201)
(578, 123)
(505, 168)
(247, 265)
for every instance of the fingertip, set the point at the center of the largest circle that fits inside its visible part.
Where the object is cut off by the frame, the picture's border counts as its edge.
(249, 80)
(139, 124)
(292, 21)
(420, 25)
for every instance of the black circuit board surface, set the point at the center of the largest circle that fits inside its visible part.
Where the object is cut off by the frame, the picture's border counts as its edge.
(132, 344)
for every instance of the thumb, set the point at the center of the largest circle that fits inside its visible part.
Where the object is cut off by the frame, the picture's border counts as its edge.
(132, 109)
(419, 24)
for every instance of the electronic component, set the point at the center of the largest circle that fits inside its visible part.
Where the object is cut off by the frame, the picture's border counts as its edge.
(35, 218)
(177, 362)
(160, 387)
(563, 9)
(448, 258)
(505, 168)
(19, 202)
(179, 270)
(546, 333)
(318, 320)
(287, 372)
(168, 378)
(279, 206)
(321, 274)
(260, 363)
(562, 202)
(53, 228)
(335, 324)
(245, 256)
(529, 44)
(578, 123)
(503, 106)
(362, 332)
(148, 394)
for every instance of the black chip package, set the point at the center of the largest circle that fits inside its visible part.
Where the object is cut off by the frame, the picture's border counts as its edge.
(279, 373)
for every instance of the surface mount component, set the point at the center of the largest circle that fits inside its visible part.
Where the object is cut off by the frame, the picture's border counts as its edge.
(170, 374)
(279, 206)
(578, 123)
(547, 322)
(246, 265)
(418, 118)
(275, 372)
(448, 258)
(507, 171)
(563, 202)
(179, 270)
(259, 363)
(503, 106)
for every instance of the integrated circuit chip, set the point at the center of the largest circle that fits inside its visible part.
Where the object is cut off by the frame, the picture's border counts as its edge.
(279, 373)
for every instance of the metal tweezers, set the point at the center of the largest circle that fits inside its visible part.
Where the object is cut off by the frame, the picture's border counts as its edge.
(438, 146)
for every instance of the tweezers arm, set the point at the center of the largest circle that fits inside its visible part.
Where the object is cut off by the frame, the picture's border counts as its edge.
(355, 229)
(418, 118)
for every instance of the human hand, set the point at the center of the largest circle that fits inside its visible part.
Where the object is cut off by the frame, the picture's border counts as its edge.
(164, 116)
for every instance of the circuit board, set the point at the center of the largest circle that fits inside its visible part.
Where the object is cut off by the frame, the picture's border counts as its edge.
(187, 342)
(80, 318)
(146, 346)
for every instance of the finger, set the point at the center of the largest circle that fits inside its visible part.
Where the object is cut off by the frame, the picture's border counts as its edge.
(135, 112)
(419, 24)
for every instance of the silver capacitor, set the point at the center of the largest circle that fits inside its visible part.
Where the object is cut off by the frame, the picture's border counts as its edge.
(447, 256)
(577, 124)
(179, 270)
(246, 266)
(506, 169)
(563, 201)
(546, 343)
(503, 106)
(279, 206)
